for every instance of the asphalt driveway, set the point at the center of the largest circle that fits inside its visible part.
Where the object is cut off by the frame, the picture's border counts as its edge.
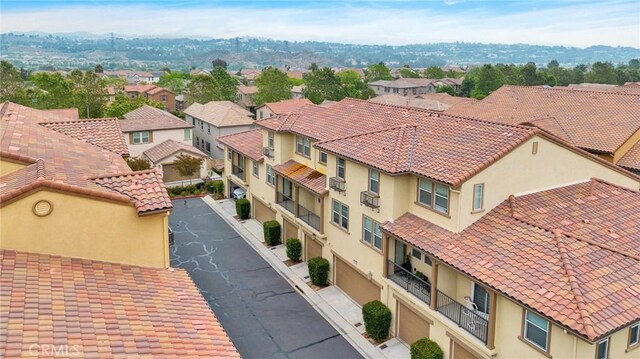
(263, 315)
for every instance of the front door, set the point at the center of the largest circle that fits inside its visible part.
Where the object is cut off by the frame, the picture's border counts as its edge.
(400, 250)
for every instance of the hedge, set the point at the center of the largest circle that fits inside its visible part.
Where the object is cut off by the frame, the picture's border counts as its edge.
(183, 190)
(319, 271)
(426, 349)
(271, 232)
(243, 208)
(294, 249)
(377, 320)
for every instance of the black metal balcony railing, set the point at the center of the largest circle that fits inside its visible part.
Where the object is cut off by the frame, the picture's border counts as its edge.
(286, 202)
(237, 171)
(468, 319)
(337, 184)
(267, 151)
(309, 217)
(409, 281)
(370, 199)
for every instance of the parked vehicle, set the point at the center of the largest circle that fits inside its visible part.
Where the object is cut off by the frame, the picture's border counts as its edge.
(238, 193)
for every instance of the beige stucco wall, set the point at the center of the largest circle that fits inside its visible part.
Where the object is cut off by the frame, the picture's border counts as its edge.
(81, 227)
(9, 166)
(171, 159)
(159, 136)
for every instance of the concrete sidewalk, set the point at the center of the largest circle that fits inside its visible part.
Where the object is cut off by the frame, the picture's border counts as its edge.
(339, 310)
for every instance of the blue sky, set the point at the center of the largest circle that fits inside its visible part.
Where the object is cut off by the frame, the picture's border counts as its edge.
(561, 22)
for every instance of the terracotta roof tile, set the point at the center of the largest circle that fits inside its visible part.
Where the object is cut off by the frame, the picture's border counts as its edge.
(102, 132)
(305, 176)
(248, 143)
(71, 113)
(104, 309)
(248, 90)
(287, 106)
(220, 114)
(168, 148)
(570, 253)
(147, 118)
(146, 188)
(631, 159)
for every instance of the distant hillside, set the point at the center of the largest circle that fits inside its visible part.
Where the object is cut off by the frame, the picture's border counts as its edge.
(34, 51)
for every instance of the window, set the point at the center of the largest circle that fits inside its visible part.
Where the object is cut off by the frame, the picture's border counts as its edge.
(425, 192)
(481, 298)
(478, 196)
(536, 330)
(371, 233)
(442, 198)
(427, 260)
(303, 146)
(602, 351)
(634, 333)
(208, 147)
(340, 167)
(340, 214)
(261, 115)
(271, 176)
(187, 133)
(164, 98)
(270, 141)
(229, 152)
(323, 157)
(255, 169)
(202, 125)
(208, 128)
(416, 253)
(374, 181)
(141, 137)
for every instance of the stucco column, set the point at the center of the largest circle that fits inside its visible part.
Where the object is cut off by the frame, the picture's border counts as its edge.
(434, 283)
(491, 335)
(385, 255)
(321, 215)
(296, 200)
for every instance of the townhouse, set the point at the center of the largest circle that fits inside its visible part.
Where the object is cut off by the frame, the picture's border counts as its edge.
(494, 240)
(154, 93)
(269, 109)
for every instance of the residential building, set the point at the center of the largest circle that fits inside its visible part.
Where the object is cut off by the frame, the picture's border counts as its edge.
(70, 113)
(245, 97)
(164, 156)
(447, 101)
(412, 86)
(215, 119)
(487, 238)
(433, 101)
(180, 102)
(249, 76)
(154, 93)
(604, 123)
(270, 109)
(297, 92)
(148, 126)
(134, 77)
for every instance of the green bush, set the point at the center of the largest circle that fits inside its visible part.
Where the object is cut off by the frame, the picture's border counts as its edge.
(243, 208)
(271, 232)
(218, 187)
(377, 320)
(183, 190)
(319, 271)
(294, 249)
(426, 349)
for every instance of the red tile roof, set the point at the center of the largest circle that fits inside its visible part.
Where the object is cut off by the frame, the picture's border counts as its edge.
(220, 113)
(145, 187)
(104, 310)
(596, 121)
(631, 159)
(305, 176)
(102, 132)
(248, 143)
(570, 253)
(139, 88)
(248, 90)
(71, 113)
(170, 147)
(287, 106)
(148, 118)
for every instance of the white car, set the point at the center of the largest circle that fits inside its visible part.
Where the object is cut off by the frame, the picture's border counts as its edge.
(238, 193)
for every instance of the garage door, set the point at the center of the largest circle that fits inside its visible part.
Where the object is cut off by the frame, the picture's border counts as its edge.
(459, 352)
(262, 213)
(313, 248)
(411, 327)
(290, 230)
(171, 174)
(357, 286)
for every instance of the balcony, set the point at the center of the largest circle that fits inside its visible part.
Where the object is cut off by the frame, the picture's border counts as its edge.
(286, 202)
(337, 184)
(473, 321)
(410, 282)
(268, 152)
(370, 199)
(237, 171)
(309, 217)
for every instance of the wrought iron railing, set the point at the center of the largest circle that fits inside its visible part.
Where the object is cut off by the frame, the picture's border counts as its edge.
(337, 184)
(409, 281)
(468, 319)
(370, 199)
(286, 202)
(309, 217)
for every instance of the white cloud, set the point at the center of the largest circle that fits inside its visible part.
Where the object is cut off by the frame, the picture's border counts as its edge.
(572, 24)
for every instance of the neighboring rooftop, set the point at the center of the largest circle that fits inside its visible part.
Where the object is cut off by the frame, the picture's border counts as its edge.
(220, 114)
(168, 148)
(71, 113)
(100, 309)
(287, 106)
(102, 132)
(570, 253)
(148, 118)
(398, 100)
(631, 159)
(248, 90)
(248, 143)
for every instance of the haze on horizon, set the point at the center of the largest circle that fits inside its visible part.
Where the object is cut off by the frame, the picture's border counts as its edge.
(579, 23)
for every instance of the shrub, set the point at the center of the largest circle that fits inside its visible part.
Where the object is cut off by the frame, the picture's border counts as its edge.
(218, 187)
(294, 249)
(271, 232)
(426, 349)
(243, 208)
(319, 271)
(377, 320)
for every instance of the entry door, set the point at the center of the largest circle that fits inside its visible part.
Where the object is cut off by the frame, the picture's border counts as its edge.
(286, 188)
(400, 250)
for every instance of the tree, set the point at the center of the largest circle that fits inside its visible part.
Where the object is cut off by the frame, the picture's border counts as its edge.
(468, 84)
(11, 85)
(323, 85)
(273, 85)
(124, 104)
(187, 165)
(217, 86)
(90, 96)
(634, 64)
(602, 73)
(219, 63)
(377, 72)
(174, 81)
(487, 80)
(313, 66)
(407, 72)
(434, 72)
(98, 69)
(55, 91)
(354, 86)
(138, 163)
(553, 64)
(530, 75)
(446, 89)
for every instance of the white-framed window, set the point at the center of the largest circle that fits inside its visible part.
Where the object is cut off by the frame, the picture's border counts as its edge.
(374, 181)
(634, 334)
(340, 168)
(270, 140)
(478, 196)
(340, 214)
(303, 146)
(187, 133)
(208, 128)
(141, 137)
(602, 349)
(271, 176)
(255, 169)
(371, 233)
(425, 192)
(480, 297)
(416, 254)
(202, 125)
(229, 152)
(434, 195)
(536, 330)
(323, 157)
(441, 202)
